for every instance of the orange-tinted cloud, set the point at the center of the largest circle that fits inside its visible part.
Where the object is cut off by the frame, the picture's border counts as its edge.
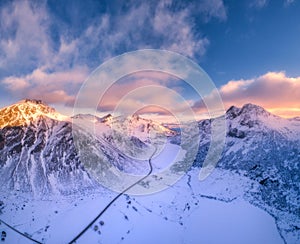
(274, 91)
(50, 87)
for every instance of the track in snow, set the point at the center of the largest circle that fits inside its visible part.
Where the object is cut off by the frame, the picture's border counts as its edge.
(113, 200)
(22, 234)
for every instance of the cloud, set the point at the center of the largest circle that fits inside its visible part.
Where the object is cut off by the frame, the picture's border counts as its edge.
(288, 2)
(33, 36)
(212, 9)
(274, 91)
(153, 99)
(155, 90)
(148, 25)
(27, 42)
(49, 54)
(259, 3)
(24, 41)
(178, 32)
(50, 87)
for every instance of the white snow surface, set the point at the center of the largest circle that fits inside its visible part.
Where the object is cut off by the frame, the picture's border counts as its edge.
(180, 214)
(212, 211)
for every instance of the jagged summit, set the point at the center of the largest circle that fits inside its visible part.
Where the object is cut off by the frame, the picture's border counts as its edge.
(232, 112)
(35, 101)
(252, 108)
(106, 118)
(251, 117)
(248, 110)
(27, 111)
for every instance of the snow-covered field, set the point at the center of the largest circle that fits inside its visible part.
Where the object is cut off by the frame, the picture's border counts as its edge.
(179, 214)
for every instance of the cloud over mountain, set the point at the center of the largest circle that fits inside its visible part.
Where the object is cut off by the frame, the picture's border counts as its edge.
(275, 91)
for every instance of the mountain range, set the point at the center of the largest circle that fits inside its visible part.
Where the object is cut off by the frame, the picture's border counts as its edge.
(39, 157)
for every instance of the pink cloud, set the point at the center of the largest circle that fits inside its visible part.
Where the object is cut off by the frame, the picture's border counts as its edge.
(274, 91)
(142, 89)
(15, 83)
(50, 87)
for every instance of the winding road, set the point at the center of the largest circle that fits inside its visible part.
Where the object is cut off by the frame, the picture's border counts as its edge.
(19, 232)
(114, 199)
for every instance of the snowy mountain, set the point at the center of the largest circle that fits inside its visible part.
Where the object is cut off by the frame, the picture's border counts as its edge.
(133, 135)
(134, 125)
(263, 149)
(28, 111)
(259, 169)
(38, 153)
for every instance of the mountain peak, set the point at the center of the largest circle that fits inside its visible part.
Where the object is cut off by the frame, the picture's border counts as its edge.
(106, 118)
(34, 101)
(253, 107)
(249, 109)
(26, 111)
(233, 112)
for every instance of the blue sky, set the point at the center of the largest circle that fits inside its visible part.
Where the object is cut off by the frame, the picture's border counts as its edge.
(250, 49)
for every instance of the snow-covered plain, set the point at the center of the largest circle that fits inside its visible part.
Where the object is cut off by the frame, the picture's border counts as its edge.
(178, 214)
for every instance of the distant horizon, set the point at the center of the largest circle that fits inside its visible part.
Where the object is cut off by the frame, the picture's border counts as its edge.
(155, 117)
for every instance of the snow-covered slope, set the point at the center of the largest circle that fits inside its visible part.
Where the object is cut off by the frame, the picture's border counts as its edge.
(130, 126)
(133, 135)
(27, 111)
(264, 149)
(259, 170)
(254, 119)
(37, 153)
(41, 150)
